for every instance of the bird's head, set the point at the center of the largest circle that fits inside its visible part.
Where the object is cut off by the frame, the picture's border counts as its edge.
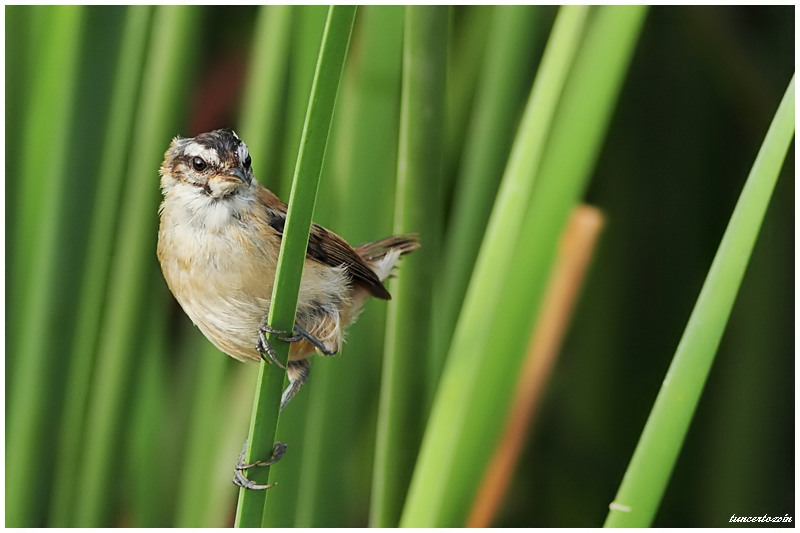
(215, 164)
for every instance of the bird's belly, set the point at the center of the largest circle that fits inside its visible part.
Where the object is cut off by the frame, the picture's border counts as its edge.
(218, 305)
(226, 294)
(223, 286)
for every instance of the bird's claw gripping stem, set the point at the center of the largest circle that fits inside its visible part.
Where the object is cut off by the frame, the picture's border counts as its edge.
(240, 480)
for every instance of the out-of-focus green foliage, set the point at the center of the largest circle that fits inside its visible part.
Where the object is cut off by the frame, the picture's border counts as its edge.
(647, 475)
(119, 412)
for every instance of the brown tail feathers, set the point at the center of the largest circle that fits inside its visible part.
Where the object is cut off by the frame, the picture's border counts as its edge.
(375, 250)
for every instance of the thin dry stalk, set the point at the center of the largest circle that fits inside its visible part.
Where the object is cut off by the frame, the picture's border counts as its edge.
(575, 251)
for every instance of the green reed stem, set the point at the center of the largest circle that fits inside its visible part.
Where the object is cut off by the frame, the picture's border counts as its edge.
(652, 463)
(264, 422)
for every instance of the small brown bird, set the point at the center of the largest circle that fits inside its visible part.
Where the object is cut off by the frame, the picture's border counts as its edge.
(218, 246)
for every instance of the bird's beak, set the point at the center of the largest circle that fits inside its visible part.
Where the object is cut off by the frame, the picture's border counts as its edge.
(239, 174)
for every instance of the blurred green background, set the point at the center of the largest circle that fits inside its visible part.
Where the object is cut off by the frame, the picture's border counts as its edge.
(119, 412)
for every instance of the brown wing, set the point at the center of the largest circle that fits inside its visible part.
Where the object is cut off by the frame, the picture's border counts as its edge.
(327, 248)
(330, 249)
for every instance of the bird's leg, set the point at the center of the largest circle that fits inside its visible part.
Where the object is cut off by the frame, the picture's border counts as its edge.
(264, 347)
(298, 374)
(240, 480)
(300, 334)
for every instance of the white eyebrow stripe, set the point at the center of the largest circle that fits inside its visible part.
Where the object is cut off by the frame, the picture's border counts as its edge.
(209, 155)
(242, 152)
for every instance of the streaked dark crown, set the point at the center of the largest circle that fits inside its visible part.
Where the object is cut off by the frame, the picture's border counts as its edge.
(227, 144)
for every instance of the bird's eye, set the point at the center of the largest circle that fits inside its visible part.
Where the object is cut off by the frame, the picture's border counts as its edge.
(247, 162)
(199, 164)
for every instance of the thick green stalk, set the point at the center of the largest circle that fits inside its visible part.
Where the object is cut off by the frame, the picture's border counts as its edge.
(430, 486)
(503, 298)
(465, 63)
(152, 494)
(200, 492)
(96, 272)
(262, 102)
(55, 41)
(360, 172)
(307, 25)
(133, 266)
(37, 261)
(500, 94)
(652, 463)
(19, 53)
(264, 122)
(417, 209)
(263, 427)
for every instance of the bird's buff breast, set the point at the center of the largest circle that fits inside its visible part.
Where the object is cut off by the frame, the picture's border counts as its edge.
(222, 276)
(222, 280)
